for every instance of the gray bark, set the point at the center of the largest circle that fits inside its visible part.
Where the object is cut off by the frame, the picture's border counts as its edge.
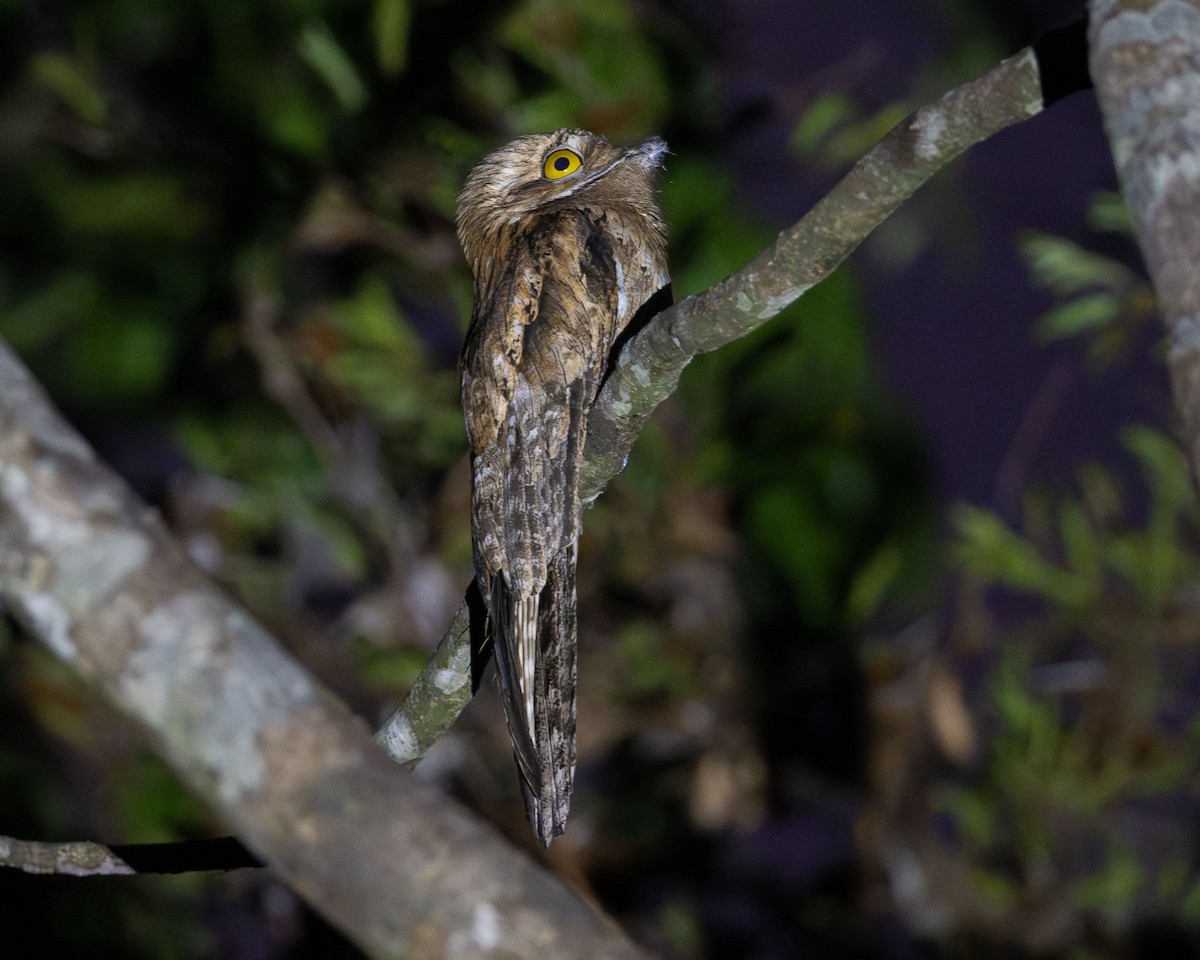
(1145, 63)
(403, 870)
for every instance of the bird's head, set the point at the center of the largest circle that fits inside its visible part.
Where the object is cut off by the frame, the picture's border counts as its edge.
(547, 170)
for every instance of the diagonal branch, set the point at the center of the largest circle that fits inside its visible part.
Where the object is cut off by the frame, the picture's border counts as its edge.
(648, 369)
(97, 577)
(402, 869)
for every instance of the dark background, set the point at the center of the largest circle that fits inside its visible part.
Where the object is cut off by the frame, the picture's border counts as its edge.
(887, 630)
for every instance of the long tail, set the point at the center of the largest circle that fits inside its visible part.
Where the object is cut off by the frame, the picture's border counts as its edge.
(531, 588)
(535, 642)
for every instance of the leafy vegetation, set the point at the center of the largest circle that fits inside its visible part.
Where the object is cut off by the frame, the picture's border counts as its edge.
(228, 252)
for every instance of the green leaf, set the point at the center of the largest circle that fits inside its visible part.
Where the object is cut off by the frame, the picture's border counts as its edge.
(553, 108)
(35, 322)
(872, 581)
(988, 547)
(488, 82)
(153, 805)
(1066, 268)
(1109, 212)
(802, 542)
(854, 140)
(75, 88)
(1080, 315)
(603, 69)
(322, 52)
(126, 358)
(291, 117)
(698, 201)
(826, 113)
(1164, 467)
(831, 131)
(681, 929)
(973, 810)
(994, 888)
(256, 445)
(1173, 875)
(372, 318)
(390, 25)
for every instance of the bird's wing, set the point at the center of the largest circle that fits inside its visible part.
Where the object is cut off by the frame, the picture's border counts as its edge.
(530, 372)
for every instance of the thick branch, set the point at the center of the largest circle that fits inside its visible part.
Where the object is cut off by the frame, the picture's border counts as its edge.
(1145, 59)
(648, 369)
(255, 735)
(402, 869)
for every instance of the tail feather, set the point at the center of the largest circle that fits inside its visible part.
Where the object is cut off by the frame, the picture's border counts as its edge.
(510, 670)
(541, 715)
(556, 686)
(531, 593)
(525, 631)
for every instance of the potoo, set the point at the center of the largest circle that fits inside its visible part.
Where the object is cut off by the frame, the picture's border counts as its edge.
(566, 243)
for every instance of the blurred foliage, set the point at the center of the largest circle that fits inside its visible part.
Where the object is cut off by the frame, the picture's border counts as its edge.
(1077, 818)
(227, 249)
(831, 132)
(228, 253)
(1151, 561)
(1099, 297)
(808, 436)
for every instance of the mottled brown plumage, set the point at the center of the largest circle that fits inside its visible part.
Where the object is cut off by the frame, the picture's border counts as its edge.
(565, 242)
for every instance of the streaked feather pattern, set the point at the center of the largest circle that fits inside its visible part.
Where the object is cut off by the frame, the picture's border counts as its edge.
(560, 268)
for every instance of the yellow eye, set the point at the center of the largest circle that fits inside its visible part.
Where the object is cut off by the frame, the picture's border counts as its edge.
(561, 163)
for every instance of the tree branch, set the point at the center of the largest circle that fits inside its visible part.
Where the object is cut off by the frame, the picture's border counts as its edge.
(402, 869)
(1144, 60)
(83, 858)
(80, 858)
(648, 368)
(96, 576)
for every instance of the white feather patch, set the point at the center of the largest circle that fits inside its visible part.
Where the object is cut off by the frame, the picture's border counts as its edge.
(526, 616)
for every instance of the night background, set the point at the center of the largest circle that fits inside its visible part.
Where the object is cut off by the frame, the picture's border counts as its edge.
(888, 630)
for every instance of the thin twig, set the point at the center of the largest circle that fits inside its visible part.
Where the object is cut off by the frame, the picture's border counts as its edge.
(80, 858)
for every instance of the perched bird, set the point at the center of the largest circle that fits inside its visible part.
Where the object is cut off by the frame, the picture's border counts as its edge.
(565, 241)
